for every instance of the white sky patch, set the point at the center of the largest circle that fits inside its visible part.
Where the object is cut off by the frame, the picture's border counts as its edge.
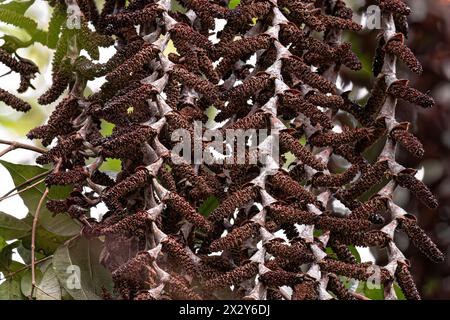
(337, 128)
(220, 24)
(98, 211)
(341, 85)
(361, 93)
(40, 13)
(252, 59)
(365, 254)
(105, 55)
(13, 206)
(420, 173)
(340, 208)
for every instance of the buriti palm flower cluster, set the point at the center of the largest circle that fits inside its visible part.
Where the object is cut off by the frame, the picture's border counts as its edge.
(157, 243)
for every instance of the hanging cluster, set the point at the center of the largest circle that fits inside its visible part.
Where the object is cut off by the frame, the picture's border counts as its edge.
(274, 65)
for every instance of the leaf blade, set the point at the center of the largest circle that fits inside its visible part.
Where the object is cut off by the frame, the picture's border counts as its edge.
(61, 224)
(12, 228)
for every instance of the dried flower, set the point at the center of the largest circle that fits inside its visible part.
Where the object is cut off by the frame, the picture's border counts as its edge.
(137, 180)
(335, 180)
(236, 237)
(234, 277)
(236, 200)
(396, 46)
(13, 101)
(355, 271)
(337, 287)
(372, 176)
(293, 100)
(289, 143)
(307, 290)
(400, 89)
(280, 278)
(408, 141)
(420, 239)
(418, 188)
(291, 187)
(406, 282)
(364, 239)
(268, 70)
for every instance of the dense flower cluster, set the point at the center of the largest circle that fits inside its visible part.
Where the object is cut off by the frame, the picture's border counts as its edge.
(237, 251)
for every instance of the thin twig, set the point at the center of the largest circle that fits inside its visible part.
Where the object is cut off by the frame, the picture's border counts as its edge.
(28, 266)
(43, 174)
(33, 241)
(22, 190)
(5, 151)
(19, 145)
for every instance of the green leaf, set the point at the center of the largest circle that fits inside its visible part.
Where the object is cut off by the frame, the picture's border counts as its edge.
(233, 3)
(374, 294)
(355, 253)
(18, 20)
(12, 228)
(10, 289)
(49, 287)
(399, 292)
(25, 282)
(2, 243)
(25, 253)
(18, 7)
(46, 242)
(61, 224)
(114, 165)
(83, 256)
(208, 206)
(6, 256)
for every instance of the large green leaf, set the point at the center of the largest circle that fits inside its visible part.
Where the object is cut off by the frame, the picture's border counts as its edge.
(49, 287)
(46, 242)
(12, 228)
(208, 206)
(17, 6)
(374, 294)
(6, 256)
(82, 255)
(233, 3)
(399, 292)
(2, 243)
(61, 224)
(10, 289)
(355, 253)
(25, 282)
(25, 253)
